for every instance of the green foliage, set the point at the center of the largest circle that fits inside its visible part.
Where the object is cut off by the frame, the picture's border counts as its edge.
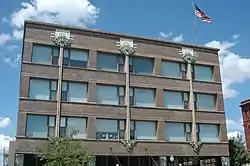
(64, 152)
(238, 153)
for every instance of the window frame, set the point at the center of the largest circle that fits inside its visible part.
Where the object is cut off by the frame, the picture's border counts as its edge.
(52, 49)
(68, 58)
(196, 107)
(67, 91)
(47, 125)
(50, 86)
(131, 65)
(182, 69)
(135, 129)
(66, 125)
(199, 130)
(194, 72)
(132, 98)
(120, 61)
(185, 103)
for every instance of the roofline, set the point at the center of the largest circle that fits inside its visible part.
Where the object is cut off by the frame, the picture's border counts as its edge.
(244, 102)
(26, 22)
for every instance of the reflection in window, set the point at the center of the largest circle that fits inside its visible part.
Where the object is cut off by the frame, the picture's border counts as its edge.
(176, 100)
(40, 126)
(205, 102)
(142, 65)
(74, 92)
(42, 89)
(203, 73)
(75, 58)
(45, 54)
(110, 62)
(145, 130)
(209, 132)
(142, 97)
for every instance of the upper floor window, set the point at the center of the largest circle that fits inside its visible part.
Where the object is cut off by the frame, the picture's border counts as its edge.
(110, 129)
(75, 58)
(74, 92)
(203, 73)
(142, 97)
(176, 100)
(40, 126)
(209, 132)
(141, 65)
(174, 69)
(70, 124)
(42, 89)
(179, 132)
(45, 54)
(144, 130)
(205, 102)
(110, 62)
(108, 94)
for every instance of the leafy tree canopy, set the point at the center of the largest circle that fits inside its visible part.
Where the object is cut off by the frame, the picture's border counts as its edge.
(64, 152)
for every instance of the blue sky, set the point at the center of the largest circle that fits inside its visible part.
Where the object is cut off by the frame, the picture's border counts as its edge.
(171, 20)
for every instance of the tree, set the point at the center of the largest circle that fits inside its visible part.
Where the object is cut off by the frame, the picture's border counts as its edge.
(64, 152)
(238, 153)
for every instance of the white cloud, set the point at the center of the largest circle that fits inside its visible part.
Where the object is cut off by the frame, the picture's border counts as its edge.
(233, 125)
(166, 35)
(233, 134)
(4, 141)
(178, 38)
(11, 47)
(234, 68)
(18, 34)
(4, 122)
(12, 61)
(4, 38)
(235, 36)
(74, 12)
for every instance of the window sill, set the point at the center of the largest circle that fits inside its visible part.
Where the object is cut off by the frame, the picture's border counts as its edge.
(209, 82)
(40, 64)
(30, 99)
(213, 111)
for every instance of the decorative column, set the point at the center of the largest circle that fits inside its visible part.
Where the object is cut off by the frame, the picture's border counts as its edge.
(62, 38)
(127, 49)
(189, 57)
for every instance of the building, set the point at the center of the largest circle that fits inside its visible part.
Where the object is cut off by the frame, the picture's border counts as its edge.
(245, 108)
(113, 87)
(5, 156)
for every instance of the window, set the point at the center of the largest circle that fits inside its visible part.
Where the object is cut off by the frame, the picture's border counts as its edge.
(203, 73)
(75, 58)
(74, 92)
(204, 102)
(42, 89)
(45, 54)
(107, 94)
(176, 100)
(110, 62)
(174, 69)
(69, 124)
(110, 129)
(141, 65)
(247, 112)
(209, 132)
(145, 130)
(40, 126)
(142, 97)
(176, 132)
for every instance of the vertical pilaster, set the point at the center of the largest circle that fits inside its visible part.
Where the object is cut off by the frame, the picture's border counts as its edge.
(127, 102)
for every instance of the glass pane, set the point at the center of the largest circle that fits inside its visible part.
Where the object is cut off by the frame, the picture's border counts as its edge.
(131, 92)
(55, 52)
(36, 126)
(145, 130)
(175, 132)
(203, 73)
(122, 124)
(77, 63)
(52, 121)
(55, 60)
(104, 125)
(53, 95)
(107, 94)
(132, 126)
(206, 102)
(63, 122)
(78, 124)
(53, 85)
(188, 127)
(64, 96)
(209, 133)
(62, 132)
(41, 54)
(144, 97)
(66, 53)
(39, 89)
(51, 131)
(171, 69)
(64, 86)
(173, 100)
(143, 65)
(121, 91)
(77, 92)
(107, 62)
(78, 58)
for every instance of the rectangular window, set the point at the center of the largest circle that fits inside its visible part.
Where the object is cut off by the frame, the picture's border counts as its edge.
(175, 132)
(74, 92)
(205, 102)
(145, 130)
(75, 58)
(73, 124)
(176, 100)
(42, 89)
(142, 65)
(110, 62)
(107, 94)
(203, 73)
(106, 129)
(142, 97)
(45, 54)
(209, 132)
(40, 126)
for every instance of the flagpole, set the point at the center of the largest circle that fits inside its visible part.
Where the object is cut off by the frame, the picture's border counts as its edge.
(195, 23)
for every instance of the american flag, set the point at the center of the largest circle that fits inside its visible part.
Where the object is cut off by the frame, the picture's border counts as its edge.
(199, 13)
